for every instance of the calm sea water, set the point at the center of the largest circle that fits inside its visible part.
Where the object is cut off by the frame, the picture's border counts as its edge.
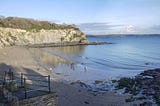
(128, 56)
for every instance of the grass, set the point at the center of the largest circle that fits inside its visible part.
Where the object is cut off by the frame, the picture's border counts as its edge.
(31, 24)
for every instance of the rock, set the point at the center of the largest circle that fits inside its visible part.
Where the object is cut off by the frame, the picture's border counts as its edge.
(10, 36)
(81, 84)
(86, 102)
(146, 83)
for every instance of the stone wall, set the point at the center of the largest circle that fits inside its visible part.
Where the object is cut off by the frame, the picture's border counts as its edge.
(46, 100)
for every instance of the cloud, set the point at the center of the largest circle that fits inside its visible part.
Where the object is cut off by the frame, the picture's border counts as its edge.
(152, 29)
(130, 28)
(110, 28)
(99, 28)
(156, 27)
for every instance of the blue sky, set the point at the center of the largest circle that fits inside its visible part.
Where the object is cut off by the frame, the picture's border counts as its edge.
(91, 16)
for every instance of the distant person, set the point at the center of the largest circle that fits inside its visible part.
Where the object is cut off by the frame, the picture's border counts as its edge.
(85, 68)
(72, 66)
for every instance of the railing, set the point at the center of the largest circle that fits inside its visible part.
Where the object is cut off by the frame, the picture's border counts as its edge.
(25, 82)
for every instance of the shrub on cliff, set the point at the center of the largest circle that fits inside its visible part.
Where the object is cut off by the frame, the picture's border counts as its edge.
(30, 24)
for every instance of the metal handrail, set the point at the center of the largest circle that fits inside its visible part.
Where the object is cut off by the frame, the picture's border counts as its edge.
(23, 81)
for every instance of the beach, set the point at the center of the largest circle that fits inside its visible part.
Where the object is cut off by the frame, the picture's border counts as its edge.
(20, 59)
(80, 53)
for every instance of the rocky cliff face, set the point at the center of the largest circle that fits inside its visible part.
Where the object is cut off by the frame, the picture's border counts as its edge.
(10, 36)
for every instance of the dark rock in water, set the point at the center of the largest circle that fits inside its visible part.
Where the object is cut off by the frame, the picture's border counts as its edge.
(86, 102)
(146, 83)
(149, 63)
(98, 81)
(146, 63)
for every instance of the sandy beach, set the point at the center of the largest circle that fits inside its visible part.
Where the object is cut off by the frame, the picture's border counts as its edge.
(20, 59)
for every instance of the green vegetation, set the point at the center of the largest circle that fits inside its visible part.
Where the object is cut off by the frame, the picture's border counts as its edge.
(62, 38)
(114, 81)
(98, 81)
(7, 39)
(83, 38)
(31, 24)
(125, 83)
(9, 34)
(71, 38)
(129, 85)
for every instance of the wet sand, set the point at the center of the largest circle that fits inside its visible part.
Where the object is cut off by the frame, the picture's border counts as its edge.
(20, 59)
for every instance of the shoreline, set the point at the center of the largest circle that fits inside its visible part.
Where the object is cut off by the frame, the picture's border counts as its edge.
(43, 45)
(21, 60)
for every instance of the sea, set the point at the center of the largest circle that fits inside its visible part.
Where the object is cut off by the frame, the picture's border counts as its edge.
(127, 56)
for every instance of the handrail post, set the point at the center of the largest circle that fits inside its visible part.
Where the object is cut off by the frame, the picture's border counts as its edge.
(25, 88)
(12, 76)
(49, 85)
(21, 79)
(5, 77)
(9, 74)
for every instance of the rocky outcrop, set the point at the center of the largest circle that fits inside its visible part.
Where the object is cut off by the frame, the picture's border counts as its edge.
(145, 86)
(10, 36)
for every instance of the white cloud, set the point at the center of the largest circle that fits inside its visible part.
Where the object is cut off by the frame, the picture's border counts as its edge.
(130, 29)
(110, 28)
(99, 28)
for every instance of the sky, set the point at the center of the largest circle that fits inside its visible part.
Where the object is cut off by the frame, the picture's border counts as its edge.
(95, 17)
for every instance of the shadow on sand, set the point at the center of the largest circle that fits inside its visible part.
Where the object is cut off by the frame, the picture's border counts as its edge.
(36, 84)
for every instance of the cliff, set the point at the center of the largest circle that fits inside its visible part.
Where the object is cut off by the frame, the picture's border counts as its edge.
(37, 33)
(10, 36)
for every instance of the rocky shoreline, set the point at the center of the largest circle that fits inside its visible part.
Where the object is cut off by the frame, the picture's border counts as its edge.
(64, 44)
(144, 86)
